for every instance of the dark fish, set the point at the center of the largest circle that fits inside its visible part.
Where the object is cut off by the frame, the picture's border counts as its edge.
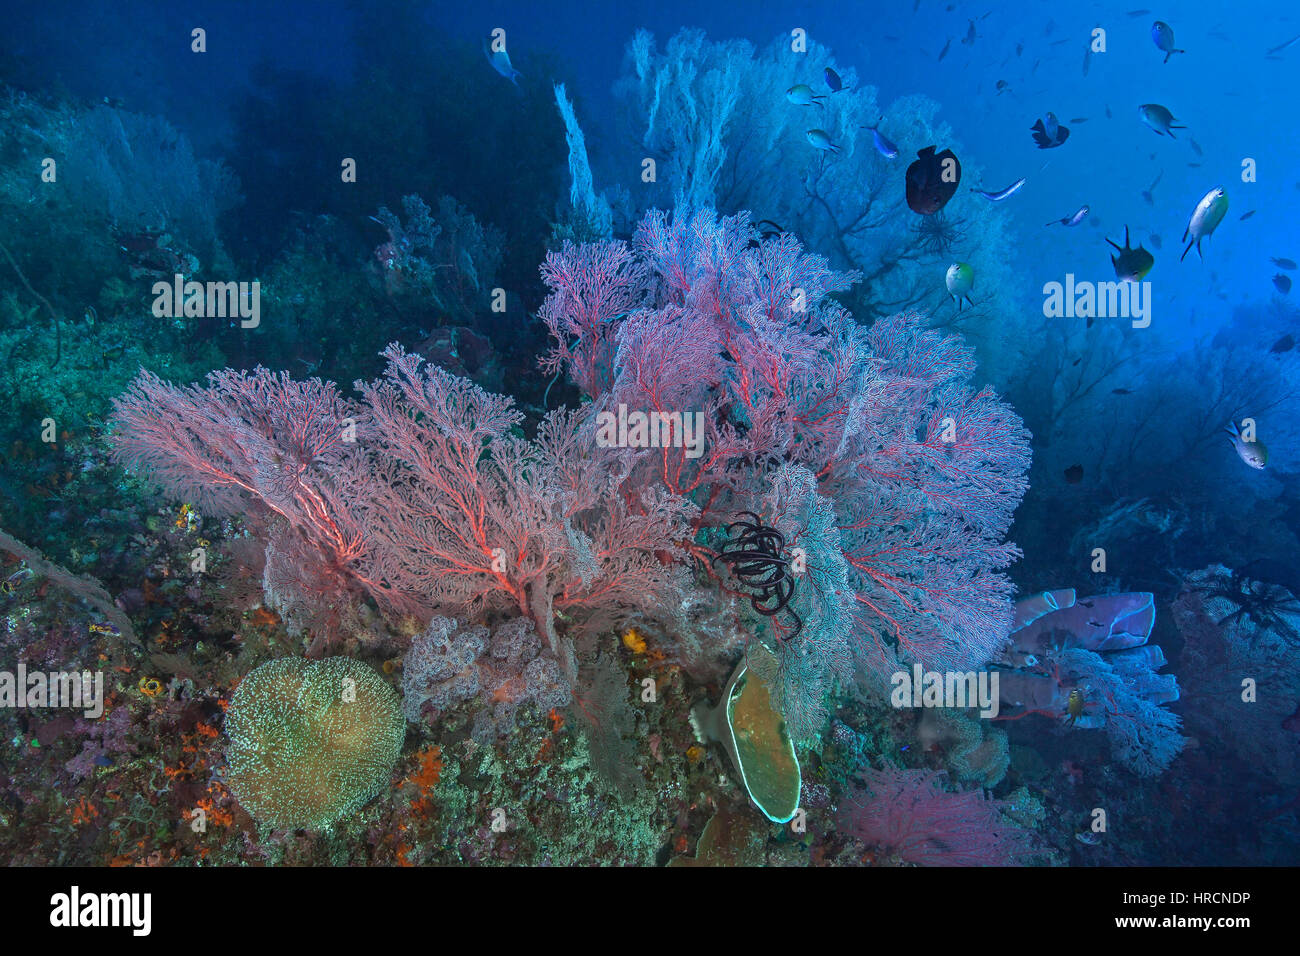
(1048, 133)
(1196, 147)
(1287, 264)
(1283, 283)
(1146, 193)
(932, 180)
(1138, 13)
(1078, 360)
(1121, 391)
(1074, 474)
(1131, 265)
(1020, 48)
(944, 51)
(833, 80)
(970, 34)
(1003, 86)
(1288, 43)
(1156, 241)
(1087, 58)
(1079, 119)
(1246, 215)
(1285, 344)
(1108, 113)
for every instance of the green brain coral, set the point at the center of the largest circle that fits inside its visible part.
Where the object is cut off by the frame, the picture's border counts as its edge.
(311, 741)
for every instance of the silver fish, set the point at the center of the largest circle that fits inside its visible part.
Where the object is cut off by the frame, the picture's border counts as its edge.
(1074, 220)
(1003, 194)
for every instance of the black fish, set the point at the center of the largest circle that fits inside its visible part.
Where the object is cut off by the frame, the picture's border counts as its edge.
(1074, 474)
(1079, 119)
(970, 34)
(928, 188)
(833, 80)
(1121, 391)
(1049, 139)
(1131, 264)
(1285, 344)
(1286, 264)
(1246, 215)
(1283, 283)
(944, 51)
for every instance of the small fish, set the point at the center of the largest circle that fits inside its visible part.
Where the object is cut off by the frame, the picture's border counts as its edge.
(1002, 87)
(1253, 453)
(500, 61)
(1108, 113)
(884, 146)
(1079, 119)
(801, 94)
(944, 51)
(1120, 391)
(1288, 264)
(1073, 220)
(820, 139)
(1145, 193)
(1074, 704)
(1159, 119)
(1139, 13)
(1088, 837)
(1207, 215)
(1087, 58)
(1048, 131)
(1131, 265)
(1002, 194)
(1289, 43)
(960, 279)
(1020, 48)
(105, 628)
(1162, 35)
(12, 582)
(1196, 147)
(1156, 241)
(1285, 344)
(969, 39)
(833, 80)
(1074, 474)
(1245, 215)
(1282, 283)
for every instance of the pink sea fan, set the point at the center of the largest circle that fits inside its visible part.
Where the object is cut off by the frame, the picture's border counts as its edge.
(909, 814)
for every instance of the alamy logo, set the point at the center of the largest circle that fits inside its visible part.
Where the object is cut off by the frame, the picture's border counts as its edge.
(83, 691)
(956, 689)
(651, 430)
(1101, 300)
(209, 300)
(75, 909)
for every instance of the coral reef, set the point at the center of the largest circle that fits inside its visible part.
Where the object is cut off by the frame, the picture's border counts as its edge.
(311, 741)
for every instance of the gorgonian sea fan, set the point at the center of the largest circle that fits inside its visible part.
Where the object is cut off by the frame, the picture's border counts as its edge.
(923, 471)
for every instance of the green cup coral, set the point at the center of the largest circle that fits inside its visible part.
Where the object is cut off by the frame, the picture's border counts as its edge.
(311, 741)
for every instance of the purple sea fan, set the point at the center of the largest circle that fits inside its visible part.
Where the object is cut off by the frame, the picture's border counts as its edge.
(909, 814)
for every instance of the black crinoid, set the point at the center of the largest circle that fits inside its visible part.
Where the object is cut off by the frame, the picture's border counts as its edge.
(756, 556)
(1265, 605)
(939, 234)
